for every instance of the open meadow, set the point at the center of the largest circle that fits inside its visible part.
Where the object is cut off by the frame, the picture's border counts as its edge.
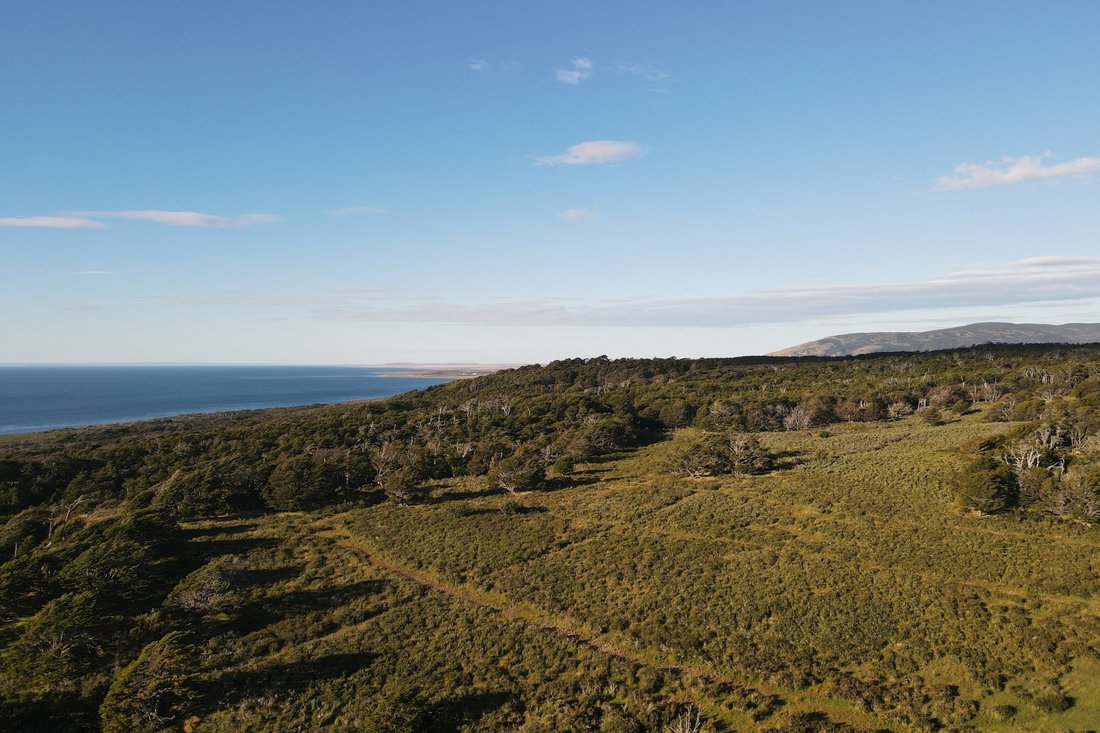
(844, 584)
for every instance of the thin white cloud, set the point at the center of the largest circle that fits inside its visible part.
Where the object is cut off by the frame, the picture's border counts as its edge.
(581, 70)
(330, 296)
(93, 273)
(354, 210)
(364, 289)
(645, 71)
(1007, 286)
(242, 299)
(577, 214)
(477, 64)
(1056, 261)
(183, 218)
(593, 152)
(52, 222)
(1038, 282)
(1009, 171)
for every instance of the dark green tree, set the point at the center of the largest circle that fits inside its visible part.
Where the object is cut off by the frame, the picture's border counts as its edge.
(524, 470)
(716, 454)
(405, 485)
(59, 641)
(986, 486)
(151, 691)
(301, 482)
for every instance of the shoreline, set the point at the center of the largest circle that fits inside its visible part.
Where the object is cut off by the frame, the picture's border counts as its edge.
(436, 373)
(230, 413)
(443, 373)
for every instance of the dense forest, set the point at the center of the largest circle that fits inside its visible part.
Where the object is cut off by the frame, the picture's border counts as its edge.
(892, 542)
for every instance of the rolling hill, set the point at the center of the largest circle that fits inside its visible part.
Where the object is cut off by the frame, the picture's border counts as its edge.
(975, 334)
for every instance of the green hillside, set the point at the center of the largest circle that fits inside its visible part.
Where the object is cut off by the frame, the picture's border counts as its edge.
(902, 542)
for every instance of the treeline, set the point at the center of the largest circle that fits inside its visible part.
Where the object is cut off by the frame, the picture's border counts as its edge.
(518, 426)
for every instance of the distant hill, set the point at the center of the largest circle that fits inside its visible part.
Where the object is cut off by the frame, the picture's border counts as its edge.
(849, 344)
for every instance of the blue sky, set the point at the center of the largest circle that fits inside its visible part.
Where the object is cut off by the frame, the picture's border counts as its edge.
(352, 182)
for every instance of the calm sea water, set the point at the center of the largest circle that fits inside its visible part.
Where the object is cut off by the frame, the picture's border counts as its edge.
(45, 397)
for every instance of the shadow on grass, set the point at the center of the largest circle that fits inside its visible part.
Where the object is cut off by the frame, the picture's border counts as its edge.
(238, 546)
(215, 530)
(232, 687)
(788, 459)
(188, 556)
(48, 713)
(309, 600)
(268, 576)
(263, 612)
(514, 506)
(570, 482)
(452, 714)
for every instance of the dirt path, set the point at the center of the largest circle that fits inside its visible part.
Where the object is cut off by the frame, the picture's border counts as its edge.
(756, 697)
(508, 609)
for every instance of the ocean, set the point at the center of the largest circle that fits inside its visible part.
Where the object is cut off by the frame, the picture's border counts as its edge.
(34, 398)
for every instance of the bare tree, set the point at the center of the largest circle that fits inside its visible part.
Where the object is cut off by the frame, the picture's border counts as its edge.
(690, 721)
(1024, 455)
(74, 504)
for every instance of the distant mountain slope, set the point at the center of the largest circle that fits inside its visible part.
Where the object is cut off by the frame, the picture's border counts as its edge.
(947, 338)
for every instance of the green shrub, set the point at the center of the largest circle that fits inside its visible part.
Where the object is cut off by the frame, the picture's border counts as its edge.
(151, 691)
(1052, 702)
(719, 454)
(563, 466)
(986, 486)
(405, 485)
(398, 708)
(524, 470)
(931, 416)
(460, 509)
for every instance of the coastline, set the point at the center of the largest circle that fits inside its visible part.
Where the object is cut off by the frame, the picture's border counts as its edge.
(440, 371)
(36, 423)
(243, 413)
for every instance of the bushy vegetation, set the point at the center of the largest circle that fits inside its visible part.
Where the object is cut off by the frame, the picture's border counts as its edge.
(592, 545)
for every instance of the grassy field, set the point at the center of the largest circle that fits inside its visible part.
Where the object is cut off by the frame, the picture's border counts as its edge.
(842, 590)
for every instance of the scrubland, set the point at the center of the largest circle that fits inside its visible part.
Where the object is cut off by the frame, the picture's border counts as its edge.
(856, 580)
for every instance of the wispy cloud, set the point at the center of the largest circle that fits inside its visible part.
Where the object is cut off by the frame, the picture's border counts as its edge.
(182, 218)
(92, 273)
(245, 299)
(329, 296)
(365, 289)
(354, 210)
(52, 222)
(1012, 284)
(481, 65)
(644, 71)
(1037, 282)
(577, 214)
(1056, 261)
(1008, 171)
(580, 69)
(592, 153)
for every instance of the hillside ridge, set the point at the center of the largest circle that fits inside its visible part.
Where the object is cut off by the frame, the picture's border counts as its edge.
(955, 337)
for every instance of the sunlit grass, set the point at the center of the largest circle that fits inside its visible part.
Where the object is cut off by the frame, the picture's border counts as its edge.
(846, 582)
